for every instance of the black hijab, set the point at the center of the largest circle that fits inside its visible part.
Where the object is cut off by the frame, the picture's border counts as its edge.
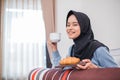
(85, 44)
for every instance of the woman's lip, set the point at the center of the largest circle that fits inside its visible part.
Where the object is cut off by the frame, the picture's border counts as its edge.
(70, 33)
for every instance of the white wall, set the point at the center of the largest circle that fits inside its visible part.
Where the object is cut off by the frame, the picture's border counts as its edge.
(105, 20)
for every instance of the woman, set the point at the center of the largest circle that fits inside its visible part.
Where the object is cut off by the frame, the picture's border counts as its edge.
(94, 53)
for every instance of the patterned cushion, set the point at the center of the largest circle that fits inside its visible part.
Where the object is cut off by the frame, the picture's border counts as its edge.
(73, 74)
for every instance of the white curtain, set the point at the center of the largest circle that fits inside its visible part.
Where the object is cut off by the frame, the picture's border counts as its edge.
(24, 38)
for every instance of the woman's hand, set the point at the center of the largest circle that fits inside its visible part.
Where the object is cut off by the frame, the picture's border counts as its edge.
(88, 65)
(52, 45)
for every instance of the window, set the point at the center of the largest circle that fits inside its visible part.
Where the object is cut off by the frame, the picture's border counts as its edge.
(24, 41)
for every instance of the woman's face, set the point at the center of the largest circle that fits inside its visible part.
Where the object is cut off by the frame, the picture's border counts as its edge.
(73, 27)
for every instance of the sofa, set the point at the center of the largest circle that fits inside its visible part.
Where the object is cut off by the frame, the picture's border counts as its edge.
(74, 74)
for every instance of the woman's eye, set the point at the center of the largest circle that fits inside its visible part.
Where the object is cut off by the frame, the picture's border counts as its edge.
(75, 24)
(68, 25)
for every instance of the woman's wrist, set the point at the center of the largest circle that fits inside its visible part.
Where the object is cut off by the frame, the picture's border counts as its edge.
(54, 49)
(97, 67)
(94, 66)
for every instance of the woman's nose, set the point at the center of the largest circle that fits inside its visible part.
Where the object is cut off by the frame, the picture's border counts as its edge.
(71, 26)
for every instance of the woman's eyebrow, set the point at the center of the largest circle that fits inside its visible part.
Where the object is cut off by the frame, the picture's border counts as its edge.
(72, 22)
(75, 22)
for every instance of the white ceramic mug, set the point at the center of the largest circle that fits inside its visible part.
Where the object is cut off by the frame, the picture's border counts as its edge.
(55, 37)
